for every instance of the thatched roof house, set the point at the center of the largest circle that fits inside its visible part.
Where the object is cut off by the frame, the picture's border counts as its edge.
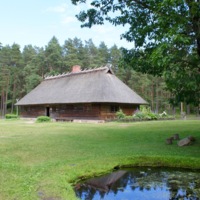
(95, 93)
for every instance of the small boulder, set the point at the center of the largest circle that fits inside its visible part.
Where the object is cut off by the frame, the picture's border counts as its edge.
(169, 140)
(191, 138)
(184, 142)
(176, 136)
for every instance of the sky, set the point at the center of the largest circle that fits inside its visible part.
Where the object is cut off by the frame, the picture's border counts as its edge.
(35, 22)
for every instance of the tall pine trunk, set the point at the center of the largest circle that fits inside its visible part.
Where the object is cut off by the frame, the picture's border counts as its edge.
(13, 96)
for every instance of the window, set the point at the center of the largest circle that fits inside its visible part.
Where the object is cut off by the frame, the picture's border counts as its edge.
(114, 108)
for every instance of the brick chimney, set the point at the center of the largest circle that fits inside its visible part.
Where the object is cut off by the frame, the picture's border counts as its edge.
(76, 68)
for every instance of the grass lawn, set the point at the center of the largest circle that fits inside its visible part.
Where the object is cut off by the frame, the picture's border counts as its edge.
(43, 160)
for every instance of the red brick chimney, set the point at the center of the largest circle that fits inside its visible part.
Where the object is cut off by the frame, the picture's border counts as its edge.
(76, 68)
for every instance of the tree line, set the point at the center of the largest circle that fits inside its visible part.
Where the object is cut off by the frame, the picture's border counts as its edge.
(22, 70)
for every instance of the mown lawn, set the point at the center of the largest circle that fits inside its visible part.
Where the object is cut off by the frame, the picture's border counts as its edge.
(42, 161)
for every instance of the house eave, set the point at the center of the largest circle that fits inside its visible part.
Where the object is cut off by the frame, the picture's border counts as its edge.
(92, 102)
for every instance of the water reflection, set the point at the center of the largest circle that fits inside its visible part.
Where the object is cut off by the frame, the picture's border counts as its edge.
(142, 183)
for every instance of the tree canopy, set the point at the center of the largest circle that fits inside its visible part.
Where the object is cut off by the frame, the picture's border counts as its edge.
(166, 37)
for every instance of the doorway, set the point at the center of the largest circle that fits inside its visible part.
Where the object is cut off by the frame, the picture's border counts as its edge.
(47, 111)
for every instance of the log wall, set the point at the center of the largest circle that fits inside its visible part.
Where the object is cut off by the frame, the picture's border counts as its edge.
(32, 111)
(78, 111)
(108, 111)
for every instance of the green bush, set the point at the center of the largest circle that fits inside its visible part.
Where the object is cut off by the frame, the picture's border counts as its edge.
(152, 116)
(129, 117)
(120, 114)
(11, 116)
(144, 113)
(43, 119)
(145, 110)
(126, 119)
(139, 115)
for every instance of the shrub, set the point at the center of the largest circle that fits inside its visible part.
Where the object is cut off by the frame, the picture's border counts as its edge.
(129, 117)
(11, 116)
(139, 115)
(144, 113)
(152, 116)
(43, 119)
(120, 114)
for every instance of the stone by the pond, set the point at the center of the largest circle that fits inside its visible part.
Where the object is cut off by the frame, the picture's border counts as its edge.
(169, 140)
(191, 138)
(184, 142)
(176, 136)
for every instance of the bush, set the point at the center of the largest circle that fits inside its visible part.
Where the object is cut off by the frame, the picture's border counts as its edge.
(11, 116)
(129, 117)
(144, 113)
(139, 115)
(120, 114)
(43, 119)
(152, 116)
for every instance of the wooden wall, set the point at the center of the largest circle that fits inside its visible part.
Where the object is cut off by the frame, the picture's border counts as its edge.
(108, 111)
(32, 111)
(78, 111)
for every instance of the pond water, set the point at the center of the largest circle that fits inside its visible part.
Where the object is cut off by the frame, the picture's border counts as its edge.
(142, 184)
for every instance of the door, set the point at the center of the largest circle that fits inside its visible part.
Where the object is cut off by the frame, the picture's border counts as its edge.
(47, 111)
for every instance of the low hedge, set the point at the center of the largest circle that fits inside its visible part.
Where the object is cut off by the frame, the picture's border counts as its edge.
(43, 119)
(131, 119)
(144, 114)
(11, 116)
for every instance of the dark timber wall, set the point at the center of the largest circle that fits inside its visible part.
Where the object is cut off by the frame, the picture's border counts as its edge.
(78, 111)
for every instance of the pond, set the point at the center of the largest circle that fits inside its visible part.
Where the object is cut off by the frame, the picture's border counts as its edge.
(142, 184)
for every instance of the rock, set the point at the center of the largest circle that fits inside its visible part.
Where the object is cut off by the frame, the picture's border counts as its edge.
(176, 136)
(169, 140)
(184, 142)
(191, 138)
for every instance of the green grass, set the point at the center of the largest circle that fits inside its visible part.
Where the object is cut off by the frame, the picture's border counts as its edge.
(41, 160)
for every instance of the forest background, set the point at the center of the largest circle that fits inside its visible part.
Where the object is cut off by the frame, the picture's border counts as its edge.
(22, 70)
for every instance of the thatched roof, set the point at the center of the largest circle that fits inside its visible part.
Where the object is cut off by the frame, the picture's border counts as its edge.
(90, 86)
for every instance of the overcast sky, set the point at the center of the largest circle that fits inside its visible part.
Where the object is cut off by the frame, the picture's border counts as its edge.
(37, 21)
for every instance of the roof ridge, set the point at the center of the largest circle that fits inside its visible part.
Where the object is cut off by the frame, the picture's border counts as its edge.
(76, 73)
